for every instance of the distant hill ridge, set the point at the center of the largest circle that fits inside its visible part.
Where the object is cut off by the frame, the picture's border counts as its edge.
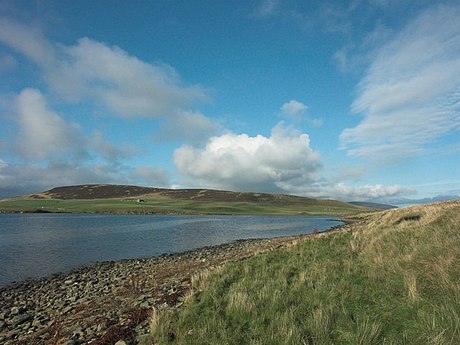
(107, 191)
(128, 199)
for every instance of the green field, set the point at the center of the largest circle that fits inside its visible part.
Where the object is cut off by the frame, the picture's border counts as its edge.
(394, 278)
(162, 205)
(127, 199)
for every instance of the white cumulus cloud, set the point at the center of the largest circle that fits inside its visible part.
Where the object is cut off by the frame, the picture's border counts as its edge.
(294, 109)
(410, 95)
(283, 162)
(376, 192)
(42, 132)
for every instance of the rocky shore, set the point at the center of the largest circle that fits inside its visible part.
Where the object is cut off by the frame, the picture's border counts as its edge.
(111, 302)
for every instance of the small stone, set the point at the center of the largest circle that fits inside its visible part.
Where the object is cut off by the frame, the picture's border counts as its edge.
(67, 309)
(20, 319)
(37, 323)
(77, 334)
(45, 336)
(26, 326)
(13, 333)
(120, 342)
(2, 324)
(68, 282)
(14, 311)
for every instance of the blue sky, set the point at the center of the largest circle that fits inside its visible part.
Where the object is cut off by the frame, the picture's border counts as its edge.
(355, 100)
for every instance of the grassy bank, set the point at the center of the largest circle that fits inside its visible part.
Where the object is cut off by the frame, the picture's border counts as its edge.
(164, 205)
(393, 278)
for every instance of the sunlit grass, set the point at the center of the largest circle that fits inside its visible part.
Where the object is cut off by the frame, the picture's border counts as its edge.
(162, 205)
(394, 279)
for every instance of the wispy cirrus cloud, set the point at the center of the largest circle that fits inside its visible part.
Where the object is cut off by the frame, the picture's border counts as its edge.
(410, 95)
(266, 8)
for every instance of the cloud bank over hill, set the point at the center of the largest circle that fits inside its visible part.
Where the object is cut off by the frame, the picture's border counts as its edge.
(282, 162)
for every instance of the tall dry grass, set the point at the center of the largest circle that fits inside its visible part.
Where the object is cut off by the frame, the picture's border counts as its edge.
(393, 279)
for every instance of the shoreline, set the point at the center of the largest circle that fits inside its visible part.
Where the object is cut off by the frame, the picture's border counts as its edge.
(30, 280)
(110, 301)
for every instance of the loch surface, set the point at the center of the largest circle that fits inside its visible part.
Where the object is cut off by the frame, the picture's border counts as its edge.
(38, 245)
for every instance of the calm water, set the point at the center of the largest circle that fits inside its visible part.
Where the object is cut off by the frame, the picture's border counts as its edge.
(37, 245)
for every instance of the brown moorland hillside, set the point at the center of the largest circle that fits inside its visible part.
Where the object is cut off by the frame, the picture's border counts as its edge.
(107, 191)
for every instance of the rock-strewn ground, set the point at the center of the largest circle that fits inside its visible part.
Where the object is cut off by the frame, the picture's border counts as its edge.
(111, 301)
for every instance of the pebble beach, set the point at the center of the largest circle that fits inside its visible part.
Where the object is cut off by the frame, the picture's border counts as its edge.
(111, 302)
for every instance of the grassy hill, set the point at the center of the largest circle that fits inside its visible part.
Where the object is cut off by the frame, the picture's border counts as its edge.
(393, 277)
(122, 199)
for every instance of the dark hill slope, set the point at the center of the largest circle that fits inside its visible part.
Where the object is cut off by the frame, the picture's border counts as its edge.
(105, 191)
(95, 191)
